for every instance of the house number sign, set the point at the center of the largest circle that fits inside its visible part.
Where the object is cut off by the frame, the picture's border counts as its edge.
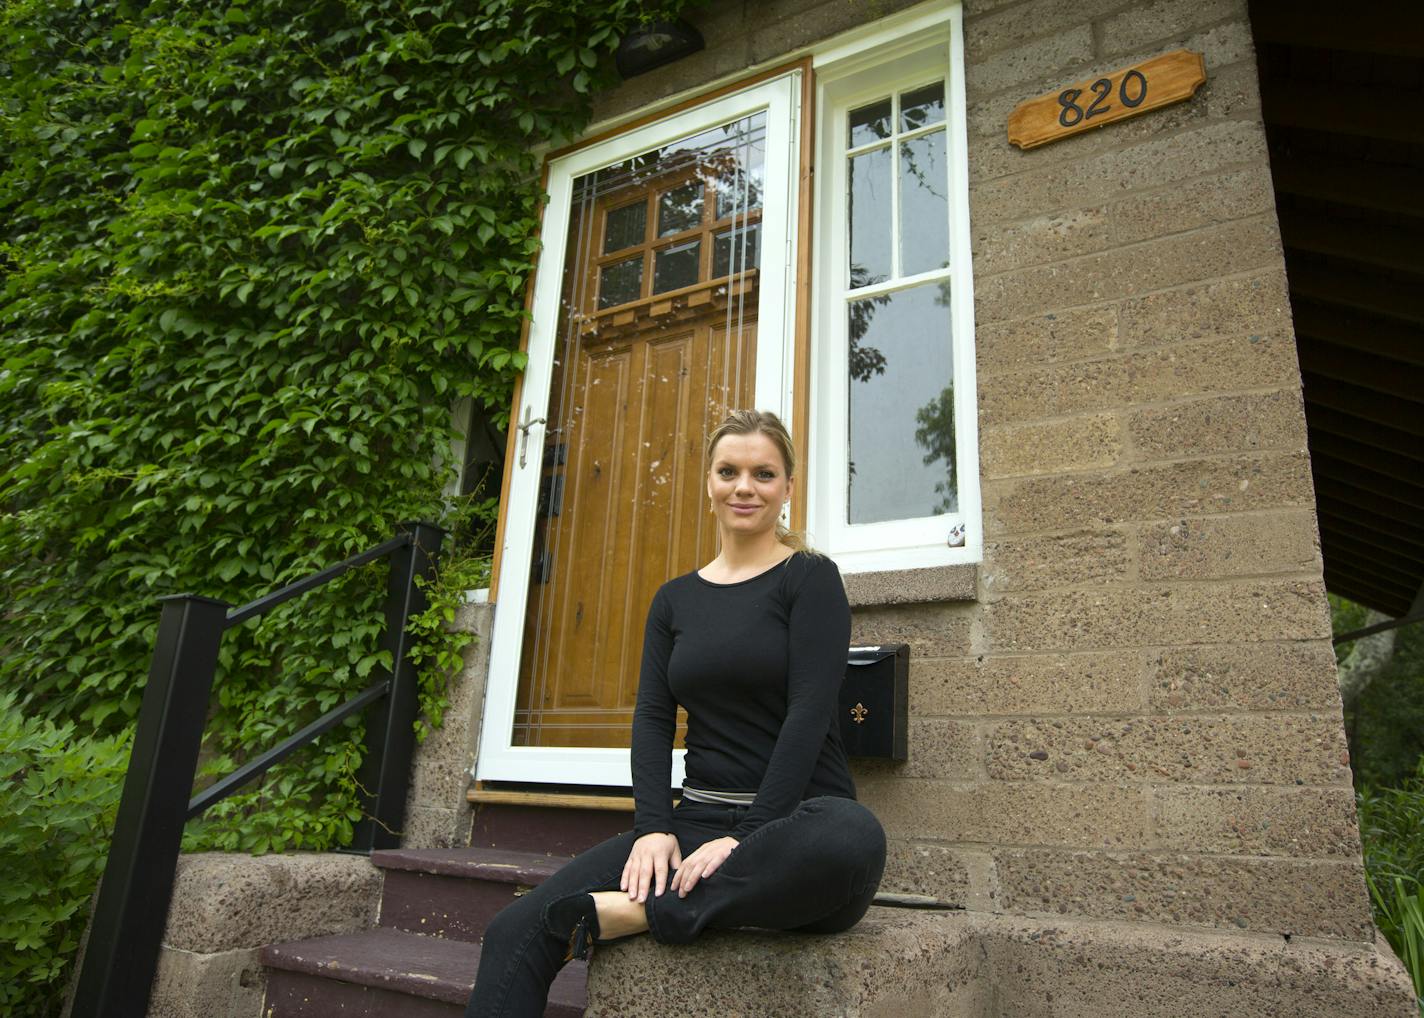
(1094, 102)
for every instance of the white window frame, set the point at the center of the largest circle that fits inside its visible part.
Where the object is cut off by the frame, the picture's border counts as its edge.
(895, 57)
(499, 759)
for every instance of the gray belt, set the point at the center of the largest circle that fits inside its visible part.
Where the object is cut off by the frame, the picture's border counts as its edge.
(719, 798)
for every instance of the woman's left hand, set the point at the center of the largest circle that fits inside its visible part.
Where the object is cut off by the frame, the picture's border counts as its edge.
(701, 863)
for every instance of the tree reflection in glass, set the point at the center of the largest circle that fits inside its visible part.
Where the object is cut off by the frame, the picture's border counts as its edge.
(900, 359)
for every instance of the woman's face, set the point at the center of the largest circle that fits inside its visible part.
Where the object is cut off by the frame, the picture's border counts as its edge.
(747, 483)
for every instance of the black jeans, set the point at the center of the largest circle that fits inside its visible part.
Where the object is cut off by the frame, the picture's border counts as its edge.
(814, 871)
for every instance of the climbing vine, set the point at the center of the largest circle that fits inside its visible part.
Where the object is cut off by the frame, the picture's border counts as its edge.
(251, 254)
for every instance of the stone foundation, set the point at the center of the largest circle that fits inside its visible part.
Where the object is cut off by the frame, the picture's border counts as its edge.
(437, 815)
(901, 963)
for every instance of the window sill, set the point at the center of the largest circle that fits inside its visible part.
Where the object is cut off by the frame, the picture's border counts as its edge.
(957, 582)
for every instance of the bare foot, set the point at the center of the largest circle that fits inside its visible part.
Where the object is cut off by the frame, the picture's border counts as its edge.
(618, 916)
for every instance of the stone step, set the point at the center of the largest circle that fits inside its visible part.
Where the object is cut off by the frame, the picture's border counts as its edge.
(384, 972)
(454, 893)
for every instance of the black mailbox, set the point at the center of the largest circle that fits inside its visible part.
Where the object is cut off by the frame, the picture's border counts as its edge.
(874, 709)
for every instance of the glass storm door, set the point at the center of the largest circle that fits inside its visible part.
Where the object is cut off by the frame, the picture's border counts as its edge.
(657, 308)
(657, 342)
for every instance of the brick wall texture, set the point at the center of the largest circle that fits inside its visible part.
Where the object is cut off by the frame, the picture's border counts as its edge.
(1137, 715)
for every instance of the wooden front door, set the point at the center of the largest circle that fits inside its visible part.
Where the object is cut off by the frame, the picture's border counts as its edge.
(657, 342)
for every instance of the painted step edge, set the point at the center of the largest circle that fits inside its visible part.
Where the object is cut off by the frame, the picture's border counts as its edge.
(298, 995)
(388, 959)
(472, 863)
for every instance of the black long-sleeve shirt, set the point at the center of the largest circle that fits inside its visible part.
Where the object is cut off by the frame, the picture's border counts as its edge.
(758, 665)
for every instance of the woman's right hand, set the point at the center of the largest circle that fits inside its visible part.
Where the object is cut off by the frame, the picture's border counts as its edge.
(653, 856)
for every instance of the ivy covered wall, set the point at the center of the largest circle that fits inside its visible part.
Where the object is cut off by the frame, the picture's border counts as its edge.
(250, 254)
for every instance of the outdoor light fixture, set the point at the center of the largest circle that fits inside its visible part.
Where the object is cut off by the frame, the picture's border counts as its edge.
(655, 44)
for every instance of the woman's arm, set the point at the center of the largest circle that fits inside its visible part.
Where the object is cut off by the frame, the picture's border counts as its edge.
(819, 634)
(654, 722)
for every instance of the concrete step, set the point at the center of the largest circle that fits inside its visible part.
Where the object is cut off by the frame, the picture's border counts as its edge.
(454, 893)
(384, 972)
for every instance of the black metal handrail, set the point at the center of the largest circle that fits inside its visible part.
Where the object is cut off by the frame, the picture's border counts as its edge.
(126, 930)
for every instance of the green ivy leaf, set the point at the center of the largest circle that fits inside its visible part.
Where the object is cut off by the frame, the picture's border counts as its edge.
(237, 305)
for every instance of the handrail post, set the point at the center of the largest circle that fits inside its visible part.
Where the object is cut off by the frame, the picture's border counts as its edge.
(126, 930)
(390, 727)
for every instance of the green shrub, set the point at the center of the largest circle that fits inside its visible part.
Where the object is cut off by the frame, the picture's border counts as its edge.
(251, 253)
(58, 795)
(1392, 829)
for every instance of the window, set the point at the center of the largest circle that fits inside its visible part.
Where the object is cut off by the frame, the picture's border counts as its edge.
(894, 478)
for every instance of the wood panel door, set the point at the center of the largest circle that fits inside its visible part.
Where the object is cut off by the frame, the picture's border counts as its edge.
(658, 342)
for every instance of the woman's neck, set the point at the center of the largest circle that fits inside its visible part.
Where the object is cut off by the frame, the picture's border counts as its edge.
(741, 557)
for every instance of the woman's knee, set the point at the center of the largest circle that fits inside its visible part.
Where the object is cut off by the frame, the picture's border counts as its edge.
(515, 921)
(851, 820)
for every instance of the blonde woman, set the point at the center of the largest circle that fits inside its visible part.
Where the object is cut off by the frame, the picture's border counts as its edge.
(767, 832)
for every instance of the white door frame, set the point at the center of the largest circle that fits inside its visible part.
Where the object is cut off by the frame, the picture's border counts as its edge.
(499, 759)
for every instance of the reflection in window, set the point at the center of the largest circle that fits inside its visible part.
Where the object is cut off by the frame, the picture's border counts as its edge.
(680, 209)
(620, 282)
(901, 406)
(924, 204)
(869, 123)
(869, 212)
(922, 106)
(670, 186)
(738, 181)
(624, 227)
(736, 250)
(675, 267)
(898, 228)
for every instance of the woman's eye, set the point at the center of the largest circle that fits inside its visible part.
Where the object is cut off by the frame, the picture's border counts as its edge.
(766, 475)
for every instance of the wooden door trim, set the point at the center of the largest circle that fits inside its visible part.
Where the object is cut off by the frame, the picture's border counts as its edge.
(479, 793)
(801, 375)
(803, 64)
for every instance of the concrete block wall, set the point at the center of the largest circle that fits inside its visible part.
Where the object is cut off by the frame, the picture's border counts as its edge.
(437, 814)
(1133, 715)
(1137, 717)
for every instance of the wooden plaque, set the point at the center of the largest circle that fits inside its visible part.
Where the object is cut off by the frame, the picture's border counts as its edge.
(1094, 102)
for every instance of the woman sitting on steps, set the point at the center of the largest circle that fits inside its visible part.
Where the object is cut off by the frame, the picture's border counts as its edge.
(768, 832)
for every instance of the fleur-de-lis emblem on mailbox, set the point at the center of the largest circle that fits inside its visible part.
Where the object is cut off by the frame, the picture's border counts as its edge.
(859, 712)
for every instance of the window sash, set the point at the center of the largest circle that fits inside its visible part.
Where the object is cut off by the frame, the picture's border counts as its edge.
(864, 78)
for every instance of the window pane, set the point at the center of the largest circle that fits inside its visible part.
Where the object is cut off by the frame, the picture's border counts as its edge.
(676, 267)
(901, 406)
(870, 217)
(680, 209)
(869, 123)
(922, 106)
(620, 282)
(739, 248)
(924, 204)
(624, 227)
(738, 181)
